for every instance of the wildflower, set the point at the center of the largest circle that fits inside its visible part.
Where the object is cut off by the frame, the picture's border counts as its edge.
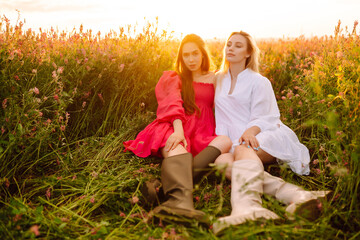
(94, 174)
(56, 97)
(134, 200)
(101, 97)
(316, 161)
(83, 104)
(92, 199)
(2, 129)
(62, 128)
(4, 103)
(172, 231)
(339, 54)
(121, 68)
(283, 98)
(7, 183)
(64, 219)
(17, 217)
(88, 68)
(142, 105)
(53, 74)
(197, 198)
(82, 197)
(60, 70)
(48, 193)
(40, 114)
(122, 214)
(66, 61)
(59, 178)
(317, 170)
(74, 177)
(34, 71)
(35, 230)
(35, 90)
(338, 133)
(16, 77)
(54, 65)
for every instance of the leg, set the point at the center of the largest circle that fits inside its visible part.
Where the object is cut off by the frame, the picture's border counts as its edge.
(177, 181)
(300, 202)
(221, 144)
(246, 190)
(225, 160)
(265, 157)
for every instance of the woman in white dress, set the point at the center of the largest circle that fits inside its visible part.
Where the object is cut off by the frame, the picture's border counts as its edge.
(247, 112)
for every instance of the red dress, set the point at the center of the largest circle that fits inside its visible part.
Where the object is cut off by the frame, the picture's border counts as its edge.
(199, 130)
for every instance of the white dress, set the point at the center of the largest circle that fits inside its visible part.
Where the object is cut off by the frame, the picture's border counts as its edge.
(253, 103)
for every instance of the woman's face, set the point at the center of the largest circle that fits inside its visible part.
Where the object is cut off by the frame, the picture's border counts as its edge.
(192, 56)
(236, 49)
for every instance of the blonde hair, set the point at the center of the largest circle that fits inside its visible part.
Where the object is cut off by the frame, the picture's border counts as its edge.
(252, 62)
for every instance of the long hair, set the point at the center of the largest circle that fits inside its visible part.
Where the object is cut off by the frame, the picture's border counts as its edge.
(252, 62)
(187, 89)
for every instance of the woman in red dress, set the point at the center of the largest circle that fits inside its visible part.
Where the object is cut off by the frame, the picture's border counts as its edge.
(184, 131)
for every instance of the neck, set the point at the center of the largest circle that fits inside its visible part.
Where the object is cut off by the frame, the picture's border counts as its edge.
(236, 68)
(196, 74)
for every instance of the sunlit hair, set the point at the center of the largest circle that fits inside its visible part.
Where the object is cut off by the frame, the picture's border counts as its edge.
(187, 89)
(252, 62)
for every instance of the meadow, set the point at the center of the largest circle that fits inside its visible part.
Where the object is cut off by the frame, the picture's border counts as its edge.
(69, 100)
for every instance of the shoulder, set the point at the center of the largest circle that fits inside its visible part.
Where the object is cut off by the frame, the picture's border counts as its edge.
(258, 78)
(169, 79)
(209, 77)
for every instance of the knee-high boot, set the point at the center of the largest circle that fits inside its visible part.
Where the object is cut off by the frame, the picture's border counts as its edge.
(202, 161)
(300, 202)
(177, 182)
(246, 190)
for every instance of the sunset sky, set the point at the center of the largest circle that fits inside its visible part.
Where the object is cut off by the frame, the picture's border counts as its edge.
(261, 18)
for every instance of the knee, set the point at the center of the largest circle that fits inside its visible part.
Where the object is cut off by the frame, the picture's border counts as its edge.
(243, 152)
(225, 159)
(223, 143)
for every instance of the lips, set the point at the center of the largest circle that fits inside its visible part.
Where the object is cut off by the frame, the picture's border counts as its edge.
(230, 55)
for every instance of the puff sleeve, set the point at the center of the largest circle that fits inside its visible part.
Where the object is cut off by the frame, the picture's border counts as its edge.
(168, 95)
(264, 111)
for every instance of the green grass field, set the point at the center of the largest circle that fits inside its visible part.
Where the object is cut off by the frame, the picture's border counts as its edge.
(69, 100)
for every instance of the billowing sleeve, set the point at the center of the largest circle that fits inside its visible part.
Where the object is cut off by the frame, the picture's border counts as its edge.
(264, 111)
(168, 95)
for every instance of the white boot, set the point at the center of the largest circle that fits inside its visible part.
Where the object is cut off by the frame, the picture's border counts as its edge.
(300, 202)
(246, 189)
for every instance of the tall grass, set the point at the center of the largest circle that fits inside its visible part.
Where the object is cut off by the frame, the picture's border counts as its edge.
(69, 100)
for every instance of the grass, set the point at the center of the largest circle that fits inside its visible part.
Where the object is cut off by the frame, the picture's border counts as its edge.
(69, 100)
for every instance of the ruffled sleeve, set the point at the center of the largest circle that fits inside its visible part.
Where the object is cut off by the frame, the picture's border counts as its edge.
(168, 95)
(264, 109)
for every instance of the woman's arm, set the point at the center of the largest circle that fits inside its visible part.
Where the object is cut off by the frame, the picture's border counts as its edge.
(176, 137)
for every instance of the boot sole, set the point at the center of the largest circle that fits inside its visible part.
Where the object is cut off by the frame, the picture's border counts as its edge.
(180, 215)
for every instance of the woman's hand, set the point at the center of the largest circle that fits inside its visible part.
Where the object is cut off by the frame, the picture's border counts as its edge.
(249, 137)
(176, 137)
(174, 140)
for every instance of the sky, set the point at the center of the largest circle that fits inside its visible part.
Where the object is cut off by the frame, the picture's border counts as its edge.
(207, 18)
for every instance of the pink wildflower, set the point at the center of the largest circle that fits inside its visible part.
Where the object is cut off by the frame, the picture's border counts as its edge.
(92, 199)
(121, 68)
(17, 217)
(83, 104)
(74, 177)
(134, 200)
(34, 71)
(56, 97)
(60, 70)
(197, 198)
(7, 183)
(101, 98)
(48, 193)
(2, 129)
(316, 161)
(94, 174)
(283, 98)
(4, 103)
(62, 128)
(122, 214)
(82, 197)
(16, 77)
(36, 90)
(35, 230)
